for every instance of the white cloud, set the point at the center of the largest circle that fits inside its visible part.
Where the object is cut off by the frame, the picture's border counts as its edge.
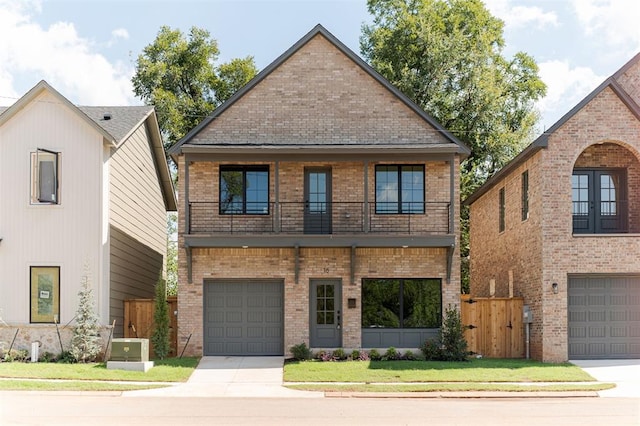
(521, 16)
(59, 55)
(616, 22)
(566, 87)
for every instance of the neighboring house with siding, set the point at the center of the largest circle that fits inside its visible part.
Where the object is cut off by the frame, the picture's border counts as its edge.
(80, 186)
(317, 205)
(560, 225)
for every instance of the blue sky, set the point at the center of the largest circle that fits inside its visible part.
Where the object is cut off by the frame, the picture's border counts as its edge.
(87, 48)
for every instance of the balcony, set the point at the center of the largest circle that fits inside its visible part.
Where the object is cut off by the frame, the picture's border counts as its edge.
(335, 218)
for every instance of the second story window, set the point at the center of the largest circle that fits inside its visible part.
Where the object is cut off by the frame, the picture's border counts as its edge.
(501, 212)
(599, 201)
(244, 190)
(399, 189)
(45, 177)
(525, 195)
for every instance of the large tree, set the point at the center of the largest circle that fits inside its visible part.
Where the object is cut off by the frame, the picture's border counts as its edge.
(178, 74)
(447, 56)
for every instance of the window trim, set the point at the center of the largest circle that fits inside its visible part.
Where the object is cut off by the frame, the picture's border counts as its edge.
(35, 197)
(34, 291)
(501, 210)
(525, 195)
(400, 210)
(400, 302)
(594, 215)
(243, 169)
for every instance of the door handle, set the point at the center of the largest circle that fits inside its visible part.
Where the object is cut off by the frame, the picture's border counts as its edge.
(338, 320)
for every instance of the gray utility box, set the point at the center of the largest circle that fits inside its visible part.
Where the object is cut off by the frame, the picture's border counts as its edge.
(130, 350)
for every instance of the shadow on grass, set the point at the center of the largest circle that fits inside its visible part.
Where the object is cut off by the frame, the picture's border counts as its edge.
(484, 363)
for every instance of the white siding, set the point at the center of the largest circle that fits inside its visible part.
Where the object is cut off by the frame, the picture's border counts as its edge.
(64, 235)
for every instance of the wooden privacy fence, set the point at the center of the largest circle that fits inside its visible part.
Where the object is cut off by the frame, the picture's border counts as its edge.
(494, 326)
(138, 321)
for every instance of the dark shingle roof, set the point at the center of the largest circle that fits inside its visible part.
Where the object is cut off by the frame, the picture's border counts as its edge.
(123, 119)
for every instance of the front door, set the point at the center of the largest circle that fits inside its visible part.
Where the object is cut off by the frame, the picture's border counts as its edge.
(317, 201)
(325, 313)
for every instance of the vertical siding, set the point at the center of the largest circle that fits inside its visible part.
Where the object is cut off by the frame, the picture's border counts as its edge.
(64, 235)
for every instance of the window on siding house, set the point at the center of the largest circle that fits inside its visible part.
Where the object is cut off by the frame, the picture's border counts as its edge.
(525, 195)
(45, 177)
(401, 303)
(244, 190)
(502, 210)
(45, 294)
(399, 189)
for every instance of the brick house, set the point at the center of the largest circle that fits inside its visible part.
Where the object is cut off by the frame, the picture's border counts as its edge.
(313, 202)
(560, 226)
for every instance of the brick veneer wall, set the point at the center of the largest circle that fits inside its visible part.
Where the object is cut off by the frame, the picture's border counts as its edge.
(604, 133)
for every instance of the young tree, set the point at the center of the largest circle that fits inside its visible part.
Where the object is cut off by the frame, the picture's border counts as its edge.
(178, 75)
(85, 342)
(172, 254)
(447, 56)
(160, 336)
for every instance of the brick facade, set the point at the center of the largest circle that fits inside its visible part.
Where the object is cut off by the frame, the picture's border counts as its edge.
(319, 97)
(604, 133)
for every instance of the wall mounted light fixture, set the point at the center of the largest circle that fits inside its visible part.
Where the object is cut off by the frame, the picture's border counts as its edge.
(554, 287)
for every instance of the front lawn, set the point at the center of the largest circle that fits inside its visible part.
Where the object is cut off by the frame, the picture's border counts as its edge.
(473, 371)
(167, 370)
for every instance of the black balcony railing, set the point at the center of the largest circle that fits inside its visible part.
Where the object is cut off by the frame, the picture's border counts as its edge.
(320, 218)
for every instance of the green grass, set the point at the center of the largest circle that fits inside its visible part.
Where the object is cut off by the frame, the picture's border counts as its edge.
(84, 386)
(473, 371)
(167, 370)
(454, 387)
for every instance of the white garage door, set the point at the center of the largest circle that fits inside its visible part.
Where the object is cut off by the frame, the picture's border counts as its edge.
(604, 317)
(244, 317)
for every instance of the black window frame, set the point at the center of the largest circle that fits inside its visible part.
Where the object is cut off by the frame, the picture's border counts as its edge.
(437, 315)
(401, 208)
(45, 191)
(501, 210)
(243, 169)
(596, 221)
(525, 195)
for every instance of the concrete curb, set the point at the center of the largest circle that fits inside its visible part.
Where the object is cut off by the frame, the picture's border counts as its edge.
(464, 395)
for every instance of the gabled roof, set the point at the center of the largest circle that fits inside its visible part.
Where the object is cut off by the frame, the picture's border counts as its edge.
(543, 140)
(121, 123)
(319, 30)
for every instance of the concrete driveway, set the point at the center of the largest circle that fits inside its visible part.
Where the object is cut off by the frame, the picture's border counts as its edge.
(625, 373)
(220, 376)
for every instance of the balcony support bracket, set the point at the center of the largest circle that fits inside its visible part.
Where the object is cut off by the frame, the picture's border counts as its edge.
(450, 251)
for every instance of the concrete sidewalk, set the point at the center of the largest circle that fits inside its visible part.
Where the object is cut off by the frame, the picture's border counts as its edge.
(219, 376)
(625, 373)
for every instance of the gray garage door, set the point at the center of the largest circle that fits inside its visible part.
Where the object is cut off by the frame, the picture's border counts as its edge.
(604, 317)
(244, 317)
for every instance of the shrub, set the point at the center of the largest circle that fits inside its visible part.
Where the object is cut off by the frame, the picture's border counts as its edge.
(160, 336)
(431, 350)
(16, 355)
(391, 354)
(85, 342)
(324, 356)
(67, 357)
(355, 355)
(409, 356)
(300, 352)
(374, 355)
(339, 354)
(454, 345)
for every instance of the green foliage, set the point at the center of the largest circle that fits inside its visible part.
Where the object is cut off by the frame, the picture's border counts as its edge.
(454, 345)
(374, 355)
(391, 355)
(66, 357)
(160, 336)
(178, 75)
(447, 56)
(355, 355)
(86, 342)
(431, 350)
(300, 352)
(172, 254)
(339, 354)
(409, 356)
(16, 355)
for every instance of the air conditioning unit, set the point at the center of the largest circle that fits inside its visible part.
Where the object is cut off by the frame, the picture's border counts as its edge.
(136, 350)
